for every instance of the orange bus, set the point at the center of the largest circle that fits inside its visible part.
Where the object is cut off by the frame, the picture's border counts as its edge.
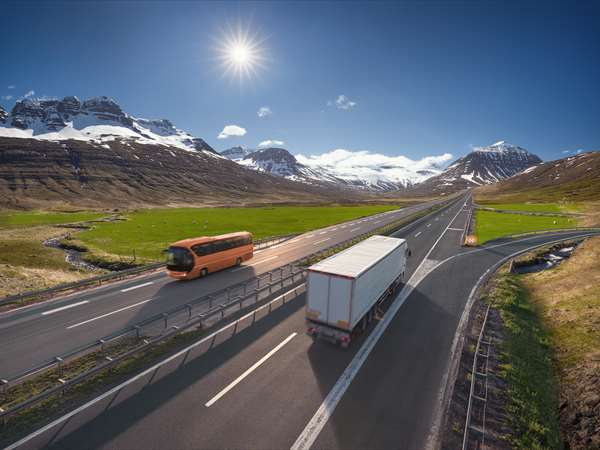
(197, 257)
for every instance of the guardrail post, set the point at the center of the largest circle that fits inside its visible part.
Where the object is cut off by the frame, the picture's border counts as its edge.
(59, 362)
(4, 384)
(137, 331)
(166, 318)
(101, 342)
(189, 308)
(210, 301)
(257, 282)
(228, 294)
(270, 276)
(245, 288)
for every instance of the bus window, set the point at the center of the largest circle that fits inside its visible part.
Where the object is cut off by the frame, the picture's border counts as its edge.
(179, 259)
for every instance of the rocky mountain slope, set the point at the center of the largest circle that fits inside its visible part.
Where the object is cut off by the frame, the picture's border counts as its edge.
(92, 153)
(374, 177)
(576, 178)
(98, 120)
(484, 165)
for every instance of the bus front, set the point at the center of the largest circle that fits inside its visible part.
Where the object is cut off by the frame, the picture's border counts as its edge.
(180, 262)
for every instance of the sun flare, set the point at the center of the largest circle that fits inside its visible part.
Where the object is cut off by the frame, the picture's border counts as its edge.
(241, 53)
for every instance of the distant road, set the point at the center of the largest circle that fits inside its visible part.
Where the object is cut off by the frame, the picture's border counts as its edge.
(38, 333)
(271, 386)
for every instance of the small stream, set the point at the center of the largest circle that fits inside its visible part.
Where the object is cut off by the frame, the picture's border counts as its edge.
(545, 261)
(73, 257)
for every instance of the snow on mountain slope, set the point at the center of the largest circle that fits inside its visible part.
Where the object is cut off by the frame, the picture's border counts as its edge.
(484, 165)
(99, 120)
(361, 170)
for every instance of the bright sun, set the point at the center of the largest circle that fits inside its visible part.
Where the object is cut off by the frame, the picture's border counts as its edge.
(241, 54)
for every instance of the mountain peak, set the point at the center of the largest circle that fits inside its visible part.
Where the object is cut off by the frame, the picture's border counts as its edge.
(501, 147)
(98, 119)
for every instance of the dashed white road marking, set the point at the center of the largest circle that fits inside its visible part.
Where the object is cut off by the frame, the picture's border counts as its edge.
(322, 240)
(309, 236)
(323, 232)
(356, 229)
(375, 223)
(93, 319)
(428, 225)
(456, 229)
(62, 308)
(137, 286)
(255, 366)
(418, 234)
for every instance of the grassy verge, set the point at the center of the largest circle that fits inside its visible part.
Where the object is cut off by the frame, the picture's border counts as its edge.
(26, 264)
(536, 207)
(526, 367)
(148, 232)
(492, 225)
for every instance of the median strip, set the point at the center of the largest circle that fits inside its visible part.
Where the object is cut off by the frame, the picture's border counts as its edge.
(255, 366)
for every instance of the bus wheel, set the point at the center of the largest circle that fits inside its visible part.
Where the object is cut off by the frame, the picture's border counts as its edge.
(238, 261)
(204, 272)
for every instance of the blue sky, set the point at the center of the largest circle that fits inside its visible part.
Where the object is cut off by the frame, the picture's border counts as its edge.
(426, 77)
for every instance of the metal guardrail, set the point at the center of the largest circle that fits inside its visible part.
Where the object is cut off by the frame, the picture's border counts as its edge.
(146, 334)
(215, 307)
(479, 388)
(118, 275)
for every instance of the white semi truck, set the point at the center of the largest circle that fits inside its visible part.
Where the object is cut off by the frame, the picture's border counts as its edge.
(344, 290)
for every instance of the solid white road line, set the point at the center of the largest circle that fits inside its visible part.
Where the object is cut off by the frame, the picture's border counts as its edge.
(319, 420)
(356, 229)
(255, 366)
(418, 234)
(62, 308)
(137, 286)
(322, 240)
(93, 319)
(456, 229)
(149, 370)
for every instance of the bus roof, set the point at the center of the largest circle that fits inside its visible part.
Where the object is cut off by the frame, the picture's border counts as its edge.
(202, 239)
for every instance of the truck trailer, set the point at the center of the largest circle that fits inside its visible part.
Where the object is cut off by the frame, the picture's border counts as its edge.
(345, 290)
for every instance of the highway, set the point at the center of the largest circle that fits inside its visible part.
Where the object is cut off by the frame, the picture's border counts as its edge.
(271, 386)
(36, 334)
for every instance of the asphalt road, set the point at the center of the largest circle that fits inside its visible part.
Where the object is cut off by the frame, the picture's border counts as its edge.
(262, 387)
(271, 386)
(36, 334)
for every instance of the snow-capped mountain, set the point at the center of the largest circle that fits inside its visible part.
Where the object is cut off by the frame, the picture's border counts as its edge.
(484, 165)
(98, 120)
(360, 170)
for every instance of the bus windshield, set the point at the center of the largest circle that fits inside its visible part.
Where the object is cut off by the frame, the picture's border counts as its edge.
(179, 259)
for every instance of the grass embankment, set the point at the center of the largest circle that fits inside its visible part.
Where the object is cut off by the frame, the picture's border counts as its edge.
(25, 263)
(526, 368)
(148, 232)
(551, 353)
(492, 225)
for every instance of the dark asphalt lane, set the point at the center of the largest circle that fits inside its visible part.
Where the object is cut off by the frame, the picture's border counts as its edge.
(389, 404)
(267, 409)
(37, 334)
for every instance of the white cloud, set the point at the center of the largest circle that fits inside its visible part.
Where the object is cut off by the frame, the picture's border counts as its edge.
(29, 94)
(231, 130)
(7, 97)
(566, 151)
(264, 111)
(271, 143)
(12, 86)
(376, 167)
(342, 102)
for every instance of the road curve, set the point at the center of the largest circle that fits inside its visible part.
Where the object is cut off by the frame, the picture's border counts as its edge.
(264, 387)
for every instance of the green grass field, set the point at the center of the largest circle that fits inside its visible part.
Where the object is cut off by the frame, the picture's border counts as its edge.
(148, 232)
(491, 225)
(32, 218)
(526, 367)
(532, 207)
